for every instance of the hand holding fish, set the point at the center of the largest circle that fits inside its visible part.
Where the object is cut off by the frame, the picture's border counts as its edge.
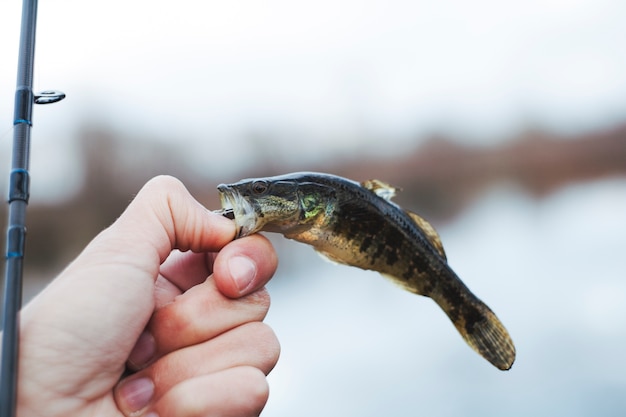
(143, 296)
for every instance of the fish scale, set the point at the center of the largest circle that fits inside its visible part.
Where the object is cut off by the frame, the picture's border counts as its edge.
(357, 224)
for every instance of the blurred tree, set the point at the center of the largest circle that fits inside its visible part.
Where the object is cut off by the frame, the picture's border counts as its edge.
(438, 180)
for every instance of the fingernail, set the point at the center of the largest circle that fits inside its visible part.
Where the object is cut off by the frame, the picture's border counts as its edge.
(136, 394)
(143, 352)
(243, 271)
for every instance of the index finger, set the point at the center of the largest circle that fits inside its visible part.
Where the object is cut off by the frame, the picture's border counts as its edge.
(252, 255)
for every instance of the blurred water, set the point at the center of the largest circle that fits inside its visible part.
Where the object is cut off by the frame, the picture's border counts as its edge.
(552, 269)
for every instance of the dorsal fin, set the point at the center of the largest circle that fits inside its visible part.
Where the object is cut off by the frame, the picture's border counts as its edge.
(381, 188)
(429, 231)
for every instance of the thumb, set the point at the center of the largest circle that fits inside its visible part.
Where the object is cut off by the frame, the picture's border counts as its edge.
(163, 217)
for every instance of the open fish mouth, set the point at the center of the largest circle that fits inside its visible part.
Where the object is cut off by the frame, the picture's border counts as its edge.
(237, 208)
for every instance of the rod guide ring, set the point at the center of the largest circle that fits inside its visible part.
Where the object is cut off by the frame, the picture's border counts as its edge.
(49, 96)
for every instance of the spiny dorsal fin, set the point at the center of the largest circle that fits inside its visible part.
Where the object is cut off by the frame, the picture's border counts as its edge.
(429, 231)
(381, 188)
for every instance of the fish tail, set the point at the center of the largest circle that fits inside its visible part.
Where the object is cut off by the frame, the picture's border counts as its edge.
(477, 324)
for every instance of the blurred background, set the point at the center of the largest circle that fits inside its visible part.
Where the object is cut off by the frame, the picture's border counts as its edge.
(503, 122)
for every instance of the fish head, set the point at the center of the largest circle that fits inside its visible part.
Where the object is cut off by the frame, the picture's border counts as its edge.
(276, 204)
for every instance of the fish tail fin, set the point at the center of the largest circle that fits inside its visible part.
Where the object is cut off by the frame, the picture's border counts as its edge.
(478, 325)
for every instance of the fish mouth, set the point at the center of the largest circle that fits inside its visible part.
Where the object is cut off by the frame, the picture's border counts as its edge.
(238, 208)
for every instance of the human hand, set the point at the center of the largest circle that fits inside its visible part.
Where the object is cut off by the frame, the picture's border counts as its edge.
(164, 292)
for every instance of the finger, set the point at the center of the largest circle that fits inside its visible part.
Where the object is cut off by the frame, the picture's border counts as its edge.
(202, 313)
(193, 318)
(242, 391)
(164, 292)
(229, 350)
(169, 217)
(244, 265)
(186, 269)
(179, 272)
(251, 344)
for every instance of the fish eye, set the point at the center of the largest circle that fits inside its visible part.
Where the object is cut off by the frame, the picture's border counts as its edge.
(259, 187)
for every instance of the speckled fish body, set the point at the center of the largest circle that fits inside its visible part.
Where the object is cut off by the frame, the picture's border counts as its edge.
(357, 224)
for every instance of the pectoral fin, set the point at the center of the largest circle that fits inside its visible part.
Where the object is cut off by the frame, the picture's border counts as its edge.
(429, 231)
(329, 257)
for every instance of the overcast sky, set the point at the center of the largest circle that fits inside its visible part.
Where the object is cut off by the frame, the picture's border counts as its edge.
(337, 73)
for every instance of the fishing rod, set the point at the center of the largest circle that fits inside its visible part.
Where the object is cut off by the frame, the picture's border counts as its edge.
(19, 190)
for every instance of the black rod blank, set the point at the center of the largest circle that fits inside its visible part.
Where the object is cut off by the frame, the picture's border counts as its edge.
(18, 200)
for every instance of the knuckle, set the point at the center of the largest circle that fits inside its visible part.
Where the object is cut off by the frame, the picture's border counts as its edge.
(266, 344)
(260, 298)
(164, 181)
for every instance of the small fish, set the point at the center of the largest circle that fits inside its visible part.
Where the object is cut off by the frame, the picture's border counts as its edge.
(358, 225)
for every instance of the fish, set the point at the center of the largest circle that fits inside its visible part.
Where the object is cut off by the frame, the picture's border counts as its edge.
(358, 224)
